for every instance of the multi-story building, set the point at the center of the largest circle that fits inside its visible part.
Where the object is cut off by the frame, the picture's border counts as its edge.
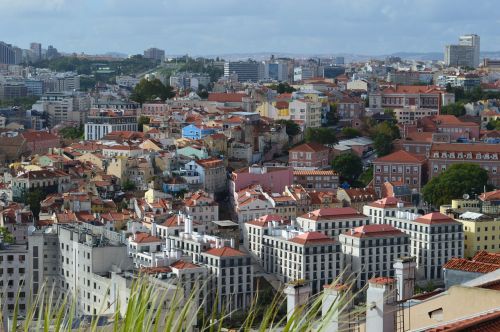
(403, 96)
(308, 113)
(7, 55)
(435, 239)
(50, 181)
(371, 250)
(101, 122)
(332, 221)
(481, 232)
(232, 283)
(245, 70)
(316, 179)
(412, 114)
(399, 166)
(309, 155)
(212, 174)
(465, 54)
(485, 155)
(273, 179)
(36, 50)
(294, 255)
(14, 280)
(154, 53)
(63, 107)
(201, 207)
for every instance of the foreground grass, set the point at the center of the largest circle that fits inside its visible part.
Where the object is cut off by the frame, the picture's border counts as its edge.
(151, 309)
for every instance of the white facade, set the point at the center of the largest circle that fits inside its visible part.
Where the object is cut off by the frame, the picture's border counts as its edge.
(307, 112)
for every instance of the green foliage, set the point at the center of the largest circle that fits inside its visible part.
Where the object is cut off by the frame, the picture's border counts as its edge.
(202, 65)
(33, 197)
(150, 90)
(128, 185)
(72, 132)
(282, 88)
(456, 109)
(383, 135)
(349, 132)
(383, 144)
(320, 135)
(292, 128)
(493, 125)
(24, 102)
(472, 95)
(366, 177)
(349, 166)
(6, 235)
(332, 117)
(87, 82)
(142, 121)
(454, 182)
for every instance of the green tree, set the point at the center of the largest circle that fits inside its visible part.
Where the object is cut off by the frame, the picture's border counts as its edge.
(128, 185)
(332, 117)
(350, 132)
(33, 198)
(72, 132)
(292, 128)
(284, 88)
(457, 180)
(366, 177)
(493, 125)
(142, 121)
(456, 109)
(349, 166)
(320, 135)
(6, 235)
(383, 144)
(151, 89)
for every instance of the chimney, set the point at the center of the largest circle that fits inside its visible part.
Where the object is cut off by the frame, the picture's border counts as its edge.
(153, 260)
(336, 304)
(232, 243)
(297, 296)
(404, 272)
(381, 305)
(186, 225)
(167, 244)
(153, 229)
(18, 216)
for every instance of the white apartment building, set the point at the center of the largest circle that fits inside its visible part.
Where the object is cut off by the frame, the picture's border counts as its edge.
(332, 221)
(13, 273)
(435, 238)
(292, 255)
(371, 250)
(232, 283)
(101, 122)
(380, 209)
(50, 181)
(306, 112)
(201, 207)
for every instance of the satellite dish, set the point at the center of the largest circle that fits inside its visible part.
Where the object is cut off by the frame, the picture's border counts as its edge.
(466, 196)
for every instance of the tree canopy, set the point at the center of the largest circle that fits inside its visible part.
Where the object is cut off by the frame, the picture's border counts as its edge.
(349, 132)
(457, 180)
(320, 135)
(493, 125)
(142, 121)
(456, 109)
(349, 166)
(151, 89)
(72, 132)
(383, 135)
(292, 128)
(6, 235)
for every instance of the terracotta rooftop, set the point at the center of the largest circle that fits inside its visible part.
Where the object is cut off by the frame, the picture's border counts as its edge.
(490, 196)
(314, 172)
(312, 238)
(182, 265)
(374, 230)
(224, 252)
(386, 202)
(463, 264)
(435, 218)
(309, 147)
(332, 213)
(144, 238)
(401, 156)
(226, 97)
(382, 280)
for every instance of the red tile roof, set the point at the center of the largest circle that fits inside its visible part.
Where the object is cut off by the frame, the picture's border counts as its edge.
(37, 136)
(401, 156)
(466, 265)
(182, 265)
(412, 89)
(314, 172)
(488, 322)
(490, 196)
(312, 238)
(382, 280)
(310, 147)
(487, 257)
(386, 202)
(226, 97)
(375, 230)
(224, 252)
(435, 218)
(333, 213)
(144, 238)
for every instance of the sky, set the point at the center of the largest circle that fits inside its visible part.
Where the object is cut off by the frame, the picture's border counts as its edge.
(202, 27)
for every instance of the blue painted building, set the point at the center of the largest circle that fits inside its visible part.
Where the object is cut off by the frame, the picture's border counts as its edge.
(194, 132)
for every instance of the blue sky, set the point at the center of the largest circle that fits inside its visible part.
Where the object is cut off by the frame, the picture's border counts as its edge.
(233, 26)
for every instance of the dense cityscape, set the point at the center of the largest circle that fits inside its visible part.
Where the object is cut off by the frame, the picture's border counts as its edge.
(229, 185)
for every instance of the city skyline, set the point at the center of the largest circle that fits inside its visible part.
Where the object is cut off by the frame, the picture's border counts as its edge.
(225, 27)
